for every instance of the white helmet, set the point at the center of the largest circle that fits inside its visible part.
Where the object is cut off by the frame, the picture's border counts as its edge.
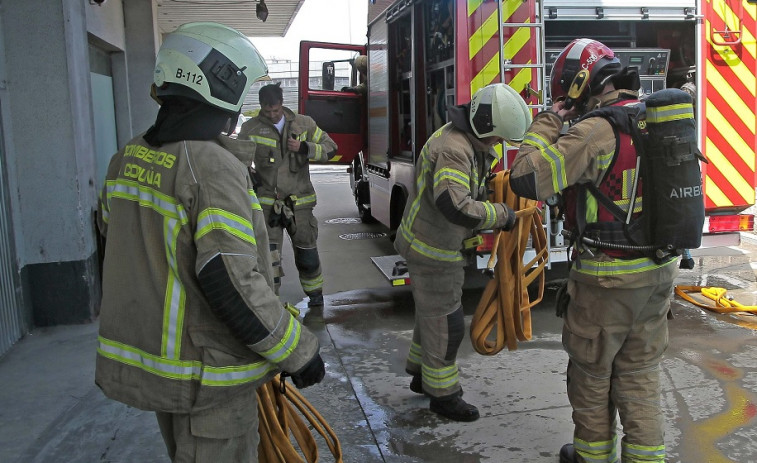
(498, 110)
(216, 63)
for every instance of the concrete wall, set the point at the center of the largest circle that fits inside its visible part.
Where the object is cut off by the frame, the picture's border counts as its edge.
(48, 143)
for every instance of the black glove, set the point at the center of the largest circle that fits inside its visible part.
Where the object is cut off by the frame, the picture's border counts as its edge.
(510, 222)
(312, 373)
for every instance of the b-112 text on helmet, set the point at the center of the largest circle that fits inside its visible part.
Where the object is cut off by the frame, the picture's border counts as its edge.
(209, 62)
(498, 110)
(582, 69)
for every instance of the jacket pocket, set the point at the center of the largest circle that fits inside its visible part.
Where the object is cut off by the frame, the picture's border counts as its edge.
(221, 382)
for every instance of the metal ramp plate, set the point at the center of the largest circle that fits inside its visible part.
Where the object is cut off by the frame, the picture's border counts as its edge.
(394, 269)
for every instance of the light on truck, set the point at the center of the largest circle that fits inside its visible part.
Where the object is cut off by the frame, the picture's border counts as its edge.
(728, 223)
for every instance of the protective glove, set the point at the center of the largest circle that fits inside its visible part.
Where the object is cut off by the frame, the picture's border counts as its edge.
(510, 214)
(312, 373)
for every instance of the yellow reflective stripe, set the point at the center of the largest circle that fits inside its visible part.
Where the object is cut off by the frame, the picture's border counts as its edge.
(317, 135)
(235, 375)
(266, 200)
(634, 453)
(597, 452)
(254, 201)
(619, 266)
(453, 175)
(440, 378)
(604, 160)
(427, 250)
(667, 113)
(311, 284)
(318, 156)
(554, 157)
(415, 354)
(592, 209)
(284, 348)
(304, 200)
(174, 218)
(184, 370)
(155, 364)
(175, 298)
(104, 207)
(272, 142)
(146, 197)
(435, 253)
(491, 215)
(217, 219)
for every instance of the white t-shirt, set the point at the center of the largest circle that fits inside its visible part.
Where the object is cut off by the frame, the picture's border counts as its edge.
(280, 125)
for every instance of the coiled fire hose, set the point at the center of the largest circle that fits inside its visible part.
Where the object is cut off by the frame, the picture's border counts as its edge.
(503, 315)
(277, 409)
(722, 303)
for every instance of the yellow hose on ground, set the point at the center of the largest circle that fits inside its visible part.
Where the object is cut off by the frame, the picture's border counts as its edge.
(277, 410)
(722, 303)
(503, 314)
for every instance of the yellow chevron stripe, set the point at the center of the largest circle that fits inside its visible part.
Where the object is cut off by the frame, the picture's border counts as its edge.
(517, 41)
(750, 9)
(731, 19)
(729, 57)
(489, 27)
(473, 6)
(482, 35)
(741, 185)
(487, 74)
(522, 78)
(721, 85)
(336, 158)
(716, 194)
(733, 138)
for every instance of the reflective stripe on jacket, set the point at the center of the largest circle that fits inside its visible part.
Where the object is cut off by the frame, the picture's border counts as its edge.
(548, 163)
(452, 169)
(282, 172)
(166, 212)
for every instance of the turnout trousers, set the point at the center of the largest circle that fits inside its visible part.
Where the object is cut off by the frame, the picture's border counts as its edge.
(304, 244)
(439, 327)
(615, 339)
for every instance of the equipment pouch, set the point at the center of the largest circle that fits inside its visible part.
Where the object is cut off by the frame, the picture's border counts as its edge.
(562, 299)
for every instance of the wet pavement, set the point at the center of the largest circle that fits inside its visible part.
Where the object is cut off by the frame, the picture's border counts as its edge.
(51, 411)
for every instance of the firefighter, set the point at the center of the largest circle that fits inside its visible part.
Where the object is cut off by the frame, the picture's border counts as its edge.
(190, 325)
(435, 234)
(286, 143)
(361, 66)
(615, 327)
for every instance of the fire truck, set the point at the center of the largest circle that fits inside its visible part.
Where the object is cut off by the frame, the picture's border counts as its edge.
(426, 55)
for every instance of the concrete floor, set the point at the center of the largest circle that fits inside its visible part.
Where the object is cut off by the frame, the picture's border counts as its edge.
(51, 411)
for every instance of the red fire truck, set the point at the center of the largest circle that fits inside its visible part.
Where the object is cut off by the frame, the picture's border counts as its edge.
(425, 55)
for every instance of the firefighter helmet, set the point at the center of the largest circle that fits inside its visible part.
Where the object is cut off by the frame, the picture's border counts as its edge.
(208, 62)
(498, 110)
(361, 63)
(582, 69)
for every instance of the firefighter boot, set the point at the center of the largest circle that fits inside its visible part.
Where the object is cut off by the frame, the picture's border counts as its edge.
(454, 408)
(416, 384)
(568, 454)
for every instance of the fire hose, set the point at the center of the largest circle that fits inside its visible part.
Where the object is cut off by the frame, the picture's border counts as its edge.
(503, 315)
(277, 410)
(722, 303)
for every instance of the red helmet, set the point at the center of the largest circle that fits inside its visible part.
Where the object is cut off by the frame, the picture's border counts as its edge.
(582, 69)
